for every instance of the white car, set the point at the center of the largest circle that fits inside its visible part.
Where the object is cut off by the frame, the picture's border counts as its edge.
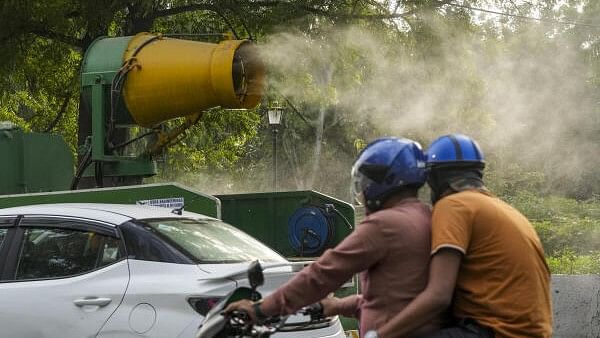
(108, 270)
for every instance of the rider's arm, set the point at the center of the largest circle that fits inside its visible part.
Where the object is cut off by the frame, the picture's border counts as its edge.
(436, 297)
(347, 306)
(357, 252)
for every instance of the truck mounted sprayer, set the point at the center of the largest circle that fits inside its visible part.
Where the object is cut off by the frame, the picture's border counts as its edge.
(139, 94)
(129, 87)
(145, 80)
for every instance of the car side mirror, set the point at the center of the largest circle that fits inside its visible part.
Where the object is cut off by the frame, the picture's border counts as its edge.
(255, 275)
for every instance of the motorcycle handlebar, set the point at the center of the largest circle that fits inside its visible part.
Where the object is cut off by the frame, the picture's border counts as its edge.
(315, 311)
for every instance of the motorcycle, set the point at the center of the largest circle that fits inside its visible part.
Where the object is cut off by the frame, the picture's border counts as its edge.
(217, 324)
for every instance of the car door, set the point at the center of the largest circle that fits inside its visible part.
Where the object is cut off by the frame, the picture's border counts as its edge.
(62, 278)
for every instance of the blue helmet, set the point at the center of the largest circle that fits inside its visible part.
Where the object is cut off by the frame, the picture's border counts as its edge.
(385, 165)
(454, 150)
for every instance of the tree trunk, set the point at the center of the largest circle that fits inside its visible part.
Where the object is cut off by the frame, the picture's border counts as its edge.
(325, 81)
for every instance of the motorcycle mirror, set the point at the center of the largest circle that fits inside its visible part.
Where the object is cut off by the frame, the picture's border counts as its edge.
(255, 275)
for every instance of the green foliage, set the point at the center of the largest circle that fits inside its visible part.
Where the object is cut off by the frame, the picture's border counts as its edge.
(215, 143)
(569, 229)
(567, 262)
(41, 93)
(562, 223)
(581, 235)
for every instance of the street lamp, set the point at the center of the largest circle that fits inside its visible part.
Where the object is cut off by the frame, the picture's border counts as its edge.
(274, 114)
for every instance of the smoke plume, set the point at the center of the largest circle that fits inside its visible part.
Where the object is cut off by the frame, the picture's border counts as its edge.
(524, 95)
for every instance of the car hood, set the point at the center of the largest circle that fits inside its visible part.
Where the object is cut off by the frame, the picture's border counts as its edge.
(275, 273)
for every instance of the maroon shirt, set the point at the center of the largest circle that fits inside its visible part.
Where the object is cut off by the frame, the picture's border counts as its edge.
(390, 249)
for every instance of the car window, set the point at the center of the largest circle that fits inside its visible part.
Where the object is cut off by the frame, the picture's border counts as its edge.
(142, 243)
(212, 241)
(53, 252)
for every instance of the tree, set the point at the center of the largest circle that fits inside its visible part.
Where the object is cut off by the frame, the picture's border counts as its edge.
(347, 71)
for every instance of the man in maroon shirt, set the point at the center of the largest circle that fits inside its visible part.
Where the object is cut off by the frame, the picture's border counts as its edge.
(390, 248)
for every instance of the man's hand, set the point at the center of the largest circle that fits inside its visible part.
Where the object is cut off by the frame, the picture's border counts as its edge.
(243, 305)
(330, 306)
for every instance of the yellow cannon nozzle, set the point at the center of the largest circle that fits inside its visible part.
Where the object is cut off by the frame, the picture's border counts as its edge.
(174, 78)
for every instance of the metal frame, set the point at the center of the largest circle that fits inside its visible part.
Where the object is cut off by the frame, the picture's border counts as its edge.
(64, 222)
(7, 244)
(112, 165)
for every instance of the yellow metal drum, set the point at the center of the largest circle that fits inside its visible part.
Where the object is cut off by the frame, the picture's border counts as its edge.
(169, 78)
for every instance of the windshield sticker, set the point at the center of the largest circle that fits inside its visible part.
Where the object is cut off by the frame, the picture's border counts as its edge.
(171, 203)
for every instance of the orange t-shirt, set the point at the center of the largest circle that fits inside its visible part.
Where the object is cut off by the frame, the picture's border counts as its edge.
(503, 281)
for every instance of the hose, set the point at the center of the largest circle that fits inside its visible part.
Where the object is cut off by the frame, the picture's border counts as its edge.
(116, 85)
(331, 207)
(83, 164)
(303, 241)
(311, 229)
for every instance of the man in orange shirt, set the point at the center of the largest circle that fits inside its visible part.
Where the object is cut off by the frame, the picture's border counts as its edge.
(487, 260)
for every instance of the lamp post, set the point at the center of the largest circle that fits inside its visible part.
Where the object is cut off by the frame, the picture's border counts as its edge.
(274, 114)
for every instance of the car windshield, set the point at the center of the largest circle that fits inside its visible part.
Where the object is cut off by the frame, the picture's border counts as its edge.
(212, 241)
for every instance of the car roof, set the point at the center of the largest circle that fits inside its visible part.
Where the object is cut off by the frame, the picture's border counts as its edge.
(108, 213)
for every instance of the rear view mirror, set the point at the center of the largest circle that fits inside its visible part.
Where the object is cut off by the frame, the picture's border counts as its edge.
(255, 275)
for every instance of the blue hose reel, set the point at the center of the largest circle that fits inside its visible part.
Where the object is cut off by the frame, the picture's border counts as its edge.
(310, 229)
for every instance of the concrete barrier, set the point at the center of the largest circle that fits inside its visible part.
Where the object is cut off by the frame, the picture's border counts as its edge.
(576, 306)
